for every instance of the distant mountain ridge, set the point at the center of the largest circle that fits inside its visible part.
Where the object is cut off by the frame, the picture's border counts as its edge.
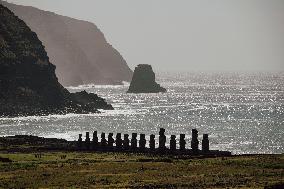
(77, 48)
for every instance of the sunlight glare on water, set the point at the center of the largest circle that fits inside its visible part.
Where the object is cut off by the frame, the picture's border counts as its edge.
(242, 113)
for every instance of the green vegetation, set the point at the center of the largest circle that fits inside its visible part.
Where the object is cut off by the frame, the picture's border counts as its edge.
(118, 170)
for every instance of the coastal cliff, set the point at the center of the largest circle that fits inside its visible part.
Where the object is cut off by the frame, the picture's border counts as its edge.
(143, 81)
(28, 83)
(77, 48)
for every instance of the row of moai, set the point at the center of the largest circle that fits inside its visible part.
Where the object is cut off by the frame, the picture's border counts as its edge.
(140, 146)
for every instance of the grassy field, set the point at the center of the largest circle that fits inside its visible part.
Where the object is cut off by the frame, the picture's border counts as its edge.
(118, 170)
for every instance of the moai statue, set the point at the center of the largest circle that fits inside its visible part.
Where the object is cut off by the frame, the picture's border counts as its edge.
(142, 142)
(134, 141)
(126, 142)
(118, 141)
(110, 140)
(182, 142)
(80, 140)
(205, 143)
(95, 140)
(194, 141)
(152, 142)
(162, 139)
(103, 140)
(87, 141)
(173, 143)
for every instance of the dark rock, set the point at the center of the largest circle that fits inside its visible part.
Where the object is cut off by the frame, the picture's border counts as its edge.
(143, 81)
(28, 84)
(90, 100)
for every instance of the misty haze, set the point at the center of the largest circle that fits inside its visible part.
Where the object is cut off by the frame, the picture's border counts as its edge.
(141, 94)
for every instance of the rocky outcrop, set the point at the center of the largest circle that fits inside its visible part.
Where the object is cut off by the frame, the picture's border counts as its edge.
(89, 100)
(28, 84)
(143, 81)
(77, 48)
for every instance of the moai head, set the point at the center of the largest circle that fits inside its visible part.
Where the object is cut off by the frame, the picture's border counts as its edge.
(182, 136)
(162, 131)
(80, 136)
(205, 136)
(118, 135)
(95, 137)
(126, 136)
(110, 135)
(194, 132)
(95, 133)
(152, 137)
(173, 137)
(134, 135)
(142, 136)
(103, 135)
(87, 135)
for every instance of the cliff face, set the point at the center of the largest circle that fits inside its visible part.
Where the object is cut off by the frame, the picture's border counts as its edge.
(28, 84)
(77, 48)
(143, 81)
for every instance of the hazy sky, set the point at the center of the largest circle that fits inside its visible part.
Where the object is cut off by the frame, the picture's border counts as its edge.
(206, 35)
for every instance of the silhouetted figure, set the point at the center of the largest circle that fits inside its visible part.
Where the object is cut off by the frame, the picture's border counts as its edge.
(80, 140)
(118, 141)
(152, 142)
(194, 141)
(142, 142)
(103, 140)
(87, 141)
(110, 140)
(134, 141)
(182, 142)
(205, 143)
(173, 143)
(126, 142)
(162, 139)
(95, 140)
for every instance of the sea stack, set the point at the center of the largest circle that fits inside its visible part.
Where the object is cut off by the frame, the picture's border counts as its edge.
(143, 81)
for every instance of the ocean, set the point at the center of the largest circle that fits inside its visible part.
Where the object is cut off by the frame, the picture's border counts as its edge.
(242, 113)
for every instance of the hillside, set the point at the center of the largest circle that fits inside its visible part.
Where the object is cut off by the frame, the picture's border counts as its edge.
(77, 48)
(28, 84)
